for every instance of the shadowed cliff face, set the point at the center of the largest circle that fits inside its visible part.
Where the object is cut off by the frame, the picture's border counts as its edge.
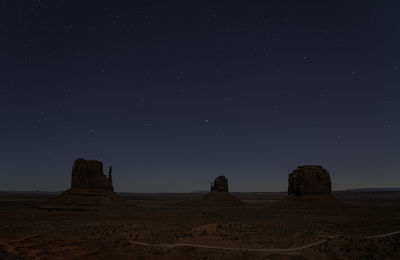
(220, 184)
(219, 195)
(89, 175)
(309, 179)
(90, 189)
(309, 188)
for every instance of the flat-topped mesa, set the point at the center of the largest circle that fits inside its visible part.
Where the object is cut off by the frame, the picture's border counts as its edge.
(88, 174)
(220, 184)
(309, 179)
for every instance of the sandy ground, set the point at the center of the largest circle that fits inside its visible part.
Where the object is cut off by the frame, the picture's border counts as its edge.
(353, 232)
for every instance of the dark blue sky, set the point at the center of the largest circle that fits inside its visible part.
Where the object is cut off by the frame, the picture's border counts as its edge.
(175, 93)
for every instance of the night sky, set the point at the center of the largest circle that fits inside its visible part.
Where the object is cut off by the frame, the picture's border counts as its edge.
(174, 93)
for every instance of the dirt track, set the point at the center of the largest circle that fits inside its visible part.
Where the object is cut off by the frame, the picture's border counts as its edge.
(275, 250)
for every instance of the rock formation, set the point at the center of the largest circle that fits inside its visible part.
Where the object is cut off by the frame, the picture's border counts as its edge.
(309, 179)
(89, 175)
(309, 188)
(220, 184)
(90, 189)
(219, 195)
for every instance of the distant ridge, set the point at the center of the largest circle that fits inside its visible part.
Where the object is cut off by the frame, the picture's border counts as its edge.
(372, 189)
(389, 189)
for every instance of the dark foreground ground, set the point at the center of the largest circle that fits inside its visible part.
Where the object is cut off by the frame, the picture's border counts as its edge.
(30, 233)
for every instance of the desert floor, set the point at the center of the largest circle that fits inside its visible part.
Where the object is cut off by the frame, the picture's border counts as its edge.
(176, 226)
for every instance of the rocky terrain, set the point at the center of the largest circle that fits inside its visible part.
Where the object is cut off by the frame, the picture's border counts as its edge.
(91, 221)
(30, 233)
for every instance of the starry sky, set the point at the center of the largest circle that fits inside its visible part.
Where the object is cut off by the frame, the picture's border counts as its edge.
(173, 93)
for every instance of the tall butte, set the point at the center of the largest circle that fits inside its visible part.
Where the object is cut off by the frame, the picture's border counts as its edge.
(220, 184)
(90, 189)
(309, 187)
(310, 179)
(219, 194)
(89, 175)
